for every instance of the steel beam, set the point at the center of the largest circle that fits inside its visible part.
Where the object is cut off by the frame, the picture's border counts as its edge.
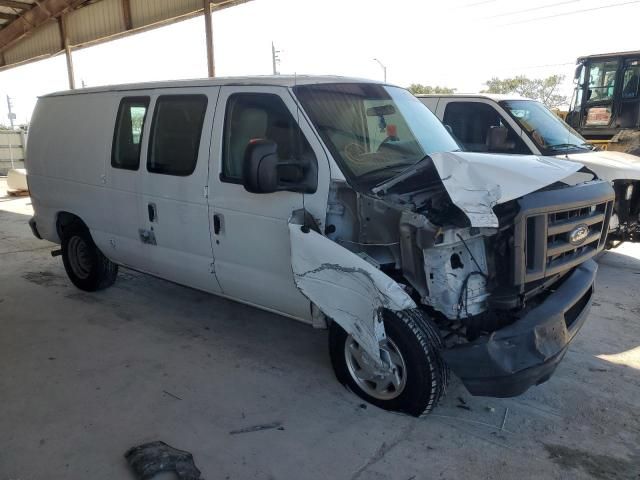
(16, 5)
(211, 66)
(126, 14)
(42, 12)
(64, 43)
(8, 16)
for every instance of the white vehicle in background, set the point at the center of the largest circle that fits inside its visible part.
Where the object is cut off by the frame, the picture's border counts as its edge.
(338, 202)
(515, 125)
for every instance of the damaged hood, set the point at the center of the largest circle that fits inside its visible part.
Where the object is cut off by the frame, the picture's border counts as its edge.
(608, 165)
(476, 182)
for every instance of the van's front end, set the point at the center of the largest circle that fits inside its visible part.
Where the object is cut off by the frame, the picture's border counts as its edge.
(497, 254)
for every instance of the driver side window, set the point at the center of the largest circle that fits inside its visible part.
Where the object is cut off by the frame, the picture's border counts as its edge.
(251, 116)
(472, 124)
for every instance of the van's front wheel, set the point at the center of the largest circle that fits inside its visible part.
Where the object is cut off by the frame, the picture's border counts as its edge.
(86, 266)
(417, 376)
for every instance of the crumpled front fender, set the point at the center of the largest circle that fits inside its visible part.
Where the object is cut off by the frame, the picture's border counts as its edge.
(346, 288)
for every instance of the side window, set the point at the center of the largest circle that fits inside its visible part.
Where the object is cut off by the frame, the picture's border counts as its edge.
(259, 116)
(602, 81)
(175, 134)
(127, 137)
(631, 80)
(471, 124)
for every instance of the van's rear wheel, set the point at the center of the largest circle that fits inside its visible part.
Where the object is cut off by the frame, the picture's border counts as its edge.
(417, 376)
(86, 266)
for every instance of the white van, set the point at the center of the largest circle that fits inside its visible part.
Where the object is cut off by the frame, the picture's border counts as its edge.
(516, 125)
(338, 202)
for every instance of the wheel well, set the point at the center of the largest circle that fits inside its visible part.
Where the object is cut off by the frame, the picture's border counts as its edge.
(66, 220)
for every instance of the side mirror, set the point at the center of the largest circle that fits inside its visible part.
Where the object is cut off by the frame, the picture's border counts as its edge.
(260, 166)
(263, 172)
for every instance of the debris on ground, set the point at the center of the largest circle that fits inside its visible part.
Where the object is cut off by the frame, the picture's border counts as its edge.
(155, 457)
(257, 428)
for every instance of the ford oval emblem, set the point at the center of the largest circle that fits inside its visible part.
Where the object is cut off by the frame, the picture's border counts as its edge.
(579, 234)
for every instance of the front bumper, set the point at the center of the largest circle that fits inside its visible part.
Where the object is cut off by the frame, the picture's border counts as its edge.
(526, 353)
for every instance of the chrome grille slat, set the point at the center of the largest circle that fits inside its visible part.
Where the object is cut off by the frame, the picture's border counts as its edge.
(568, 225)
(556, 248)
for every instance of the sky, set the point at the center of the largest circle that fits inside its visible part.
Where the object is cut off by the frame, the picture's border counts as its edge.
(454, 43)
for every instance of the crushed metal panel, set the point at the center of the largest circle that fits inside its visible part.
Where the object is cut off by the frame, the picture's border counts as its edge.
(346, 288)
(476, 182)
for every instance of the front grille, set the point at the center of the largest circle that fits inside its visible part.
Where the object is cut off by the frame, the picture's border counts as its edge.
(559, 229)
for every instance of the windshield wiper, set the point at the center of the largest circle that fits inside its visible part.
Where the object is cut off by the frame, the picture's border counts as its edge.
(388, 167)
(568, 145)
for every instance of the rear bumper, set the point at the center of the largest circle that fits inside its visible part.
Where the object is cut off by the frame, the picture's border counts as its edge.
(526, 353)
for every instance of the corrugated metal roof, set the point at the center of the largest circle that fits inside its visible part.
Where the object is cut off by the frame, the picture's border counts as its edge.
(34, 32)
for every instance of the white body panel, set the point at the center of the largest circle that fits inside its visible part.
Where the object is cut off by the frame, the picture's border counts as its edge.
(252, 249)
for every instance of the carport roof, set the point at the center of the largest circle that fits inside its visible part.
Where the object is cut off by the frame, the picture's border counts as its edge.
(36, 29)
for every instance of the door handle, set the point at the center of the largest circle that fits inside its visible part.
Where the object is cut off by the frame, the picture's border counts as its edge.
(216, 224)
(151, 210)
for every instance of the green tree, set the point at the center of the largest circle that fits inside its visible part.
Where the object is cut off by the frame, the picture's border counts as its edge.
(544, 90)
(417, 88)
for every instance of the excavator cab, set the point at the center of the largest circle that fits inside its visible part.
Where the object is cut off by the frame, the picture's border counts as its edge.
(605, 107)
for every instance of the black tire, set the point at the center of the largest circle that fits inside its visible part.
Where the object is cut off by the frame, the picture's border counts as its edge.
(86, 266)
(418, 341)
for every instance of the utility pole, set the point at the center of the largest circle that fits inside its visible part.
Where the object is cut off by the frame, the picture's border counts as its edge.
(275, 59)
(11, 116)
(384, 68)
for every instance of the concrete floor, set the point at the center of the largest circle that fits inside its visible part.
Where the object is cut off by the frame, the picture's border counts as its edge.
(83, 377)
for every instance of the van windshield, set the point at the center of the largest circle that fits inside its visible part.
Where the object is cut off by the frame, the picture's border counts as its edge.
(545, 128)
(373, 131)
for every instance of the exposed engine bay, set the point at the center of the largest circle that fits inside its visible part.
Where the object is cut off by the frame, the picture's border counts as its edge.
(466, 276)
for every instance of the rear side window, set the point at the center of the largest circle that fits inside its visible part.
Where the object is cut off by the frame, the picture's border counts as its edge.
(175, 134)
(127, 137)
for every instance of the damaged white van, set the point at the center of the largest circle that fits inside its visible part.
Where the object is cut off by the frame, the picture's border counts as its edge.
(341, 203)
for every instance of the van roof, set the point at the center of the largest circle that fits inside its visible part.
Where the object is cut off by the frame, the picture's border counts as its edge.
(266, 80)
(489, 96)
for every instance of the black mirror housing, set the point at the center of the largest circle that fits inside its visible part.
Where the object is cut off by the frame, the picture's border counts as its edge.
(264, 172)
(260, 167)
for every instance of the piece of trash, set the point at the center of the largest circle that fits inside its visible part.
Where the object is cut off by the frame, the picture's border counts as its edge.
(257, 428)
(461, 400)
(152, 458)
(598, 369)
(490, 409)
(363, 406)
(464, 407)
(171, 395)
(504, 419)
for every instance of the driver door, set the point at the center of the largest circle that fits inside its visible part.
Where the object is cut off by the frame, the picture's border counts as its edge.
(250, 231)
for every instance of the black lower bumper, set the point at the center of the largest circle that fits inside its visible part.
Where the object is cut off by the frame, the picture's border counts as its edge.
(526, 353)
(34, 228)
